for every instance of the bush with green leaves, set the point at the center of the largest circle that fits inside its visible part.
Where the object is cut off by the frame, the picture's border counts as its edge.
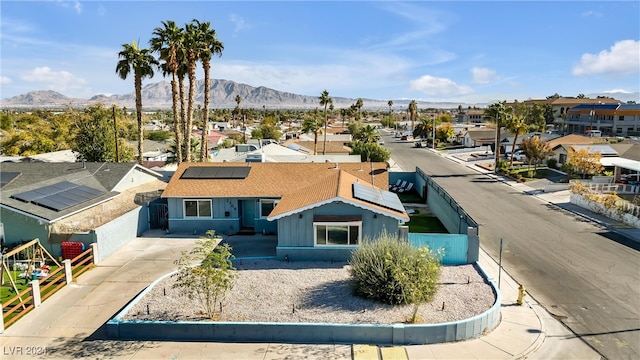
(206, 273)
(394, 272)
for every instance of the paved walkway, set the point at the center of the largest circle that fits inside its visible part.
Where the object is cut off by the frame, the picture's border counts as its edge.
(71, 323)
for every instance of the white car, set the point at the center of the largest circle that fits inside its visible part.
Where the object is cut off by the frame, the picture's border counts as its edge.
(519, 155)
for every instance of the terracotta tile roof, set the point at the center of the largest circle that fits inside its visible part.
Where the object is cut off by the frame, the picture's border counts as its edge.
(269, 179)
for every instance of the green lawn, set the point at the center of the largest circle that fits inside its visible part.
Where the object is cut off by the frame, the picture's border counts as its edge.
(425, 223)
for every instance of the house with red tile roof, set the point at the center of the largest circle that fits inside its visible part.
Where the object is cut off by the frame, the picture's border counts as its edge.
(317, 210)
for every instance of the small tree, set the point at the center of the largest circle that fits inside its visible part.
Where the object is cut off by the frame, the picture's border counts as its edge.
(212, 275)
(585, 162)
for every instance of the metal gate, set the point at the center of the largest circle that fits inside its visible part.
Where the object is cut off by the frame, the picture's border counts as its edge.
(158, 215)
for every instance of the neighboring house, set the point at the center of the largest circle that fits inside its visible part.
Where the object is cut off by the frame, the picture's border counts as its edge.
(67, 156)
(278, 153)
(57, 202)
(561, 106)
(610, 119)
(560, 146)
(483, 136)
(471, 116)
(317, 210)
(333, 147)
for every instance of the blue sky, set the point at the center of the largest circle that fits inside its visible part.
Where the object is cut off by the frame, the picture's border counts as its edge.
(473, 51)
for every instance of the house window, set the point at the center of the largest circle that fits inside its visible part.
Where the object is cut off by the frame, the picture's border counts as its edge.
(266, 206)
(621, 118)
(197, 208)
(337, 233)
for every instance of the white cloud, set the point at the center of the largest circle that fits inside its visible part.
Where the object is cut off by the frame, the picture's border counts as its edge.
(75, 5)
(590, 13)
(240, 23)
(62, 81)
(483, 75)
(4, 80)
(618, 91)
(439, 87)
(622, 58)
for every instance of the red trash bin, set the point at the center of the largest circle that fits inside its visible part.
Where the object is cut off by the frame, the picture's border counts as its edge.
(71, 249)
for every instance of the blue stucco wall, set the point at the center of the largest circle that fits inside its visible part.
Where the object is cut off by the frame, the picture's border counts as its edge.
(114, 234)
(454, 247)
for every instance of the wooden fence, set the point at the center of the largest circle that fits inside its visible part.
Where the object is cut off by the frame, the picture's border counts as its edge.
(40, 290)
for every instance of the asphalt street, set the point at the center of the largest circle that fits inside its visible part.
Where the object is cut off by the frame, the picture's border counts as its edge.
(584, 275)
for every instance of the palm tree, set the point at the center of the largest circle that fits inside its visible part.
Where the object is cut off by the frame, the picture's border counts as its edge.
(239, 112)
(325, 100)
(167, 42)
(312, 124)
(368, 134)
(191, 40)
(424, 128)
(390, 103)
(141, 63)
(413, 112)
(209, 45)
(498, 114)
(517, 127)
(359, 104)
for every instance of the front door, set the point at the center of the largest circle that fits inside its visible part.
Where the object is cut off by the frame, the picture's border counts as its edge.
(248, 213)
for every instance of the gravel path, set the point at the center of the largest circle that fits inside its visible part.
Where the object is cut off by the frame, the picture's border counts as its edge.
(277, 291)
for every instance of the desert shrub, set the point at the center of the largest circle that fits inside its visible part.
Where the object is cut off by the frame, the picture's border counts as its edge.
(392, 271)
(205, 273)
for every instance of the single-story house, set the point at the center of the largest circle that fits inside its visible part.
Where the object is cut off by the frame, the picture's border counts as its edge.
(316, 210)
(58, 202)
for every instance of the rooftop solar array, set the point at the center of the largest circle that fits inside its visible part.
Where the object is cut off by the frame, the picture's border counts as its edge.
(379, 197)
(59, 196)
(7, 176)
(216, 172)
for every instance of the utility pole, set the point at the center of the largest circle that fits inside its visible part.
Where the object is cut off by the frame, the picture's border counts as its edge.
(115, 132)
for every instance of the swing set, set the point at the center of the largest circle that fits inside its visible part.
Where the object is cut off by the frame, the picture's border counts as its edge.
(33, 268)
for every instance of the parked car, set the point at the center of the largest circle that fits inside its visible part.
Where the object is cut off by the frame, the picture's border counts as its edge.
(519, 155)
(381, 142)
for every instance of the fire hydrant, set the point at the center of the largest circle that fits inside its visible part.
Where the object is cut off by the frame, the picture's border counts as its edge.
(521, 294)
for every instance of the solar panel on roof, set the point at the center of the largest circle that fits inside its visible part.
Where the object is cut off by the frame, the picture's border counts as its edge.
(216, 172)
(31, 195)
(68, 198)
(7, 176)
(59, 196)
(379, 197)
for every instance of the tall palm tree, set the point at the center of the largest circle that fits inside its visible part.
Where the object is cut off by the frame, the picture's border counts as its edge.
(359, 104)
(497, 113)
(239, 112)
(190, 41)
(141, 63)
(311, 124)
(325, 100)
(413, 112)
(209, 45)
(390, 103)
(167, 41)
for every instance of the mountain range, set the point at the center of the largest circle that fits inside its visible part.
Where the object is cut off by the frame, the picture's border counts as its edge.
(223, 94)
